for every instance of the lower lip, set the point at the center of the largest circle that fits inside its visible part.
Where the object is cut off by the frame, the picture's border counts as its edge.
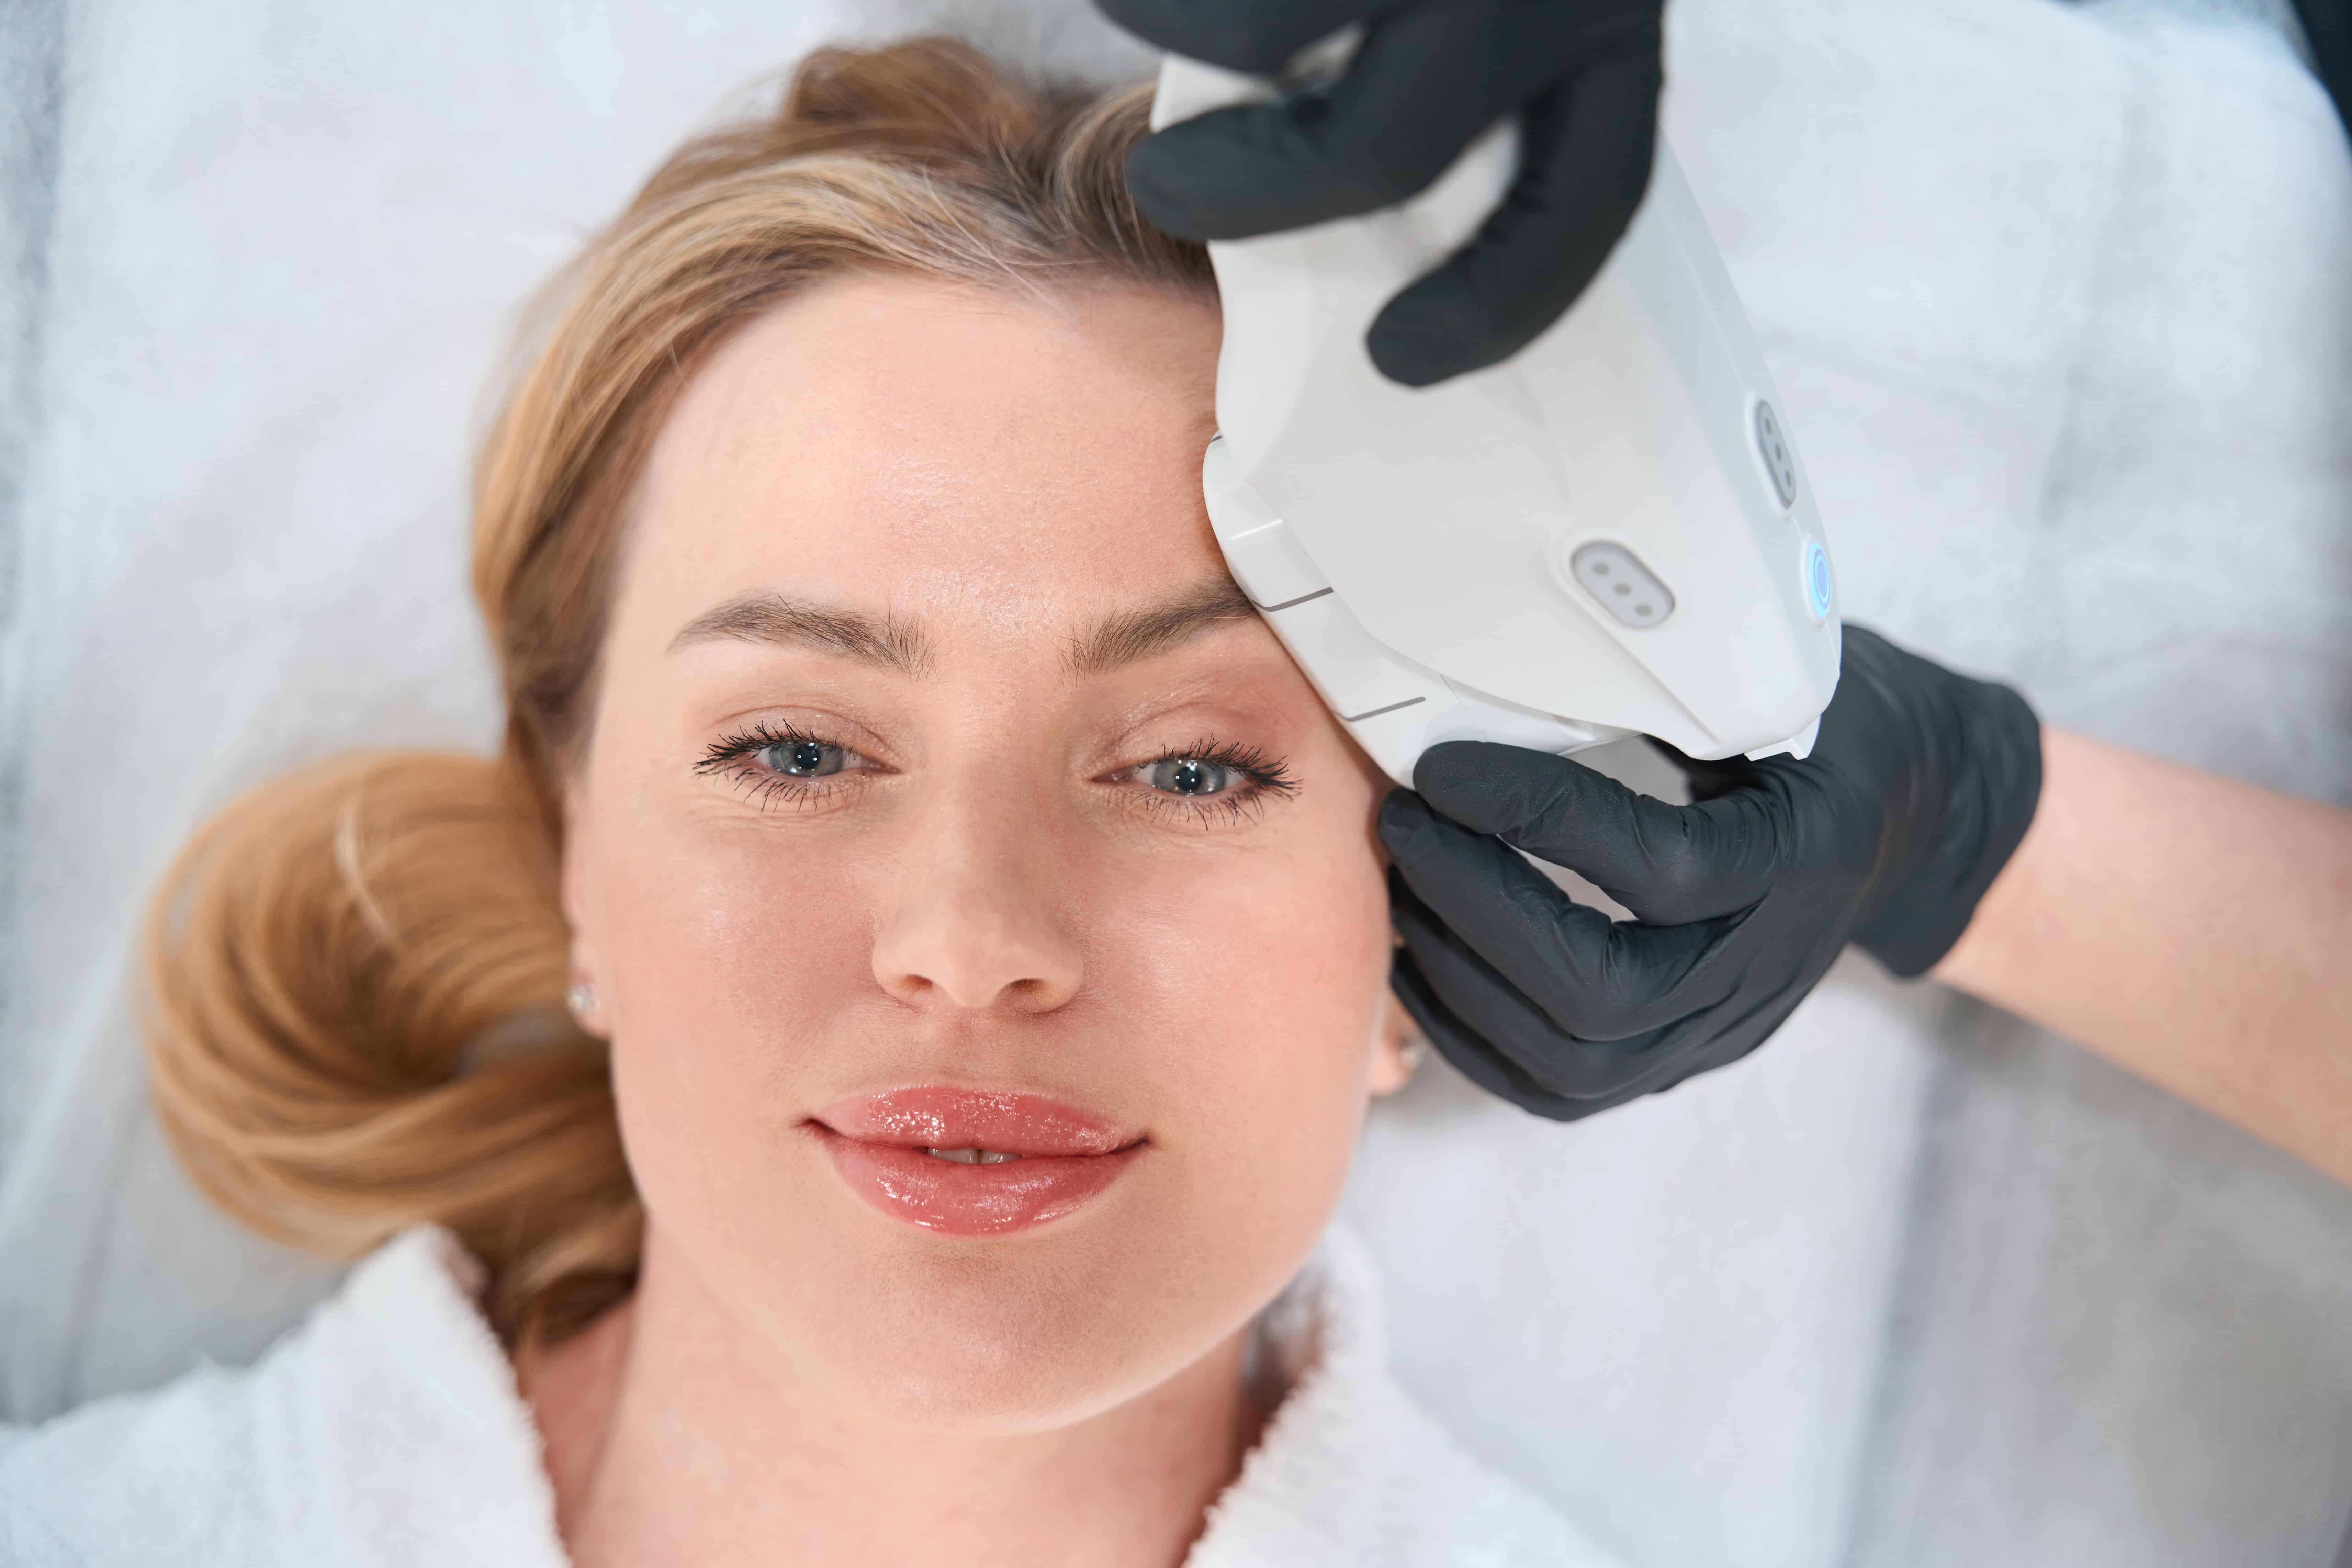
(956, 1199)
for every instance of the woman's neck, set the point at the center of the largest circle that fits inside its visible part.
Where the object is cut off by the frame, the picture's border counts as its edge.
(669, 1441)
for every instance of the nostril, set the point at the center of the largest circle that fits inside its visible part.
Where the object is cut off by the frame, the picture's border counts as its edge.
(1034, 995)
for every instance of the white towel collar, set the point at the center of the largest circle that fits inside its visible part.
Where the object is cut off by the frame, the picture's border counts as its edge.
(389, 1432)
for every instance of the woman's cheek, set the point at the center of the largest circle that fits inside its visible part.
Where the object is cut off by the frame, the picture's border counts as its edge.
(1278, 1069)
(1267, 1001)
(740, 948)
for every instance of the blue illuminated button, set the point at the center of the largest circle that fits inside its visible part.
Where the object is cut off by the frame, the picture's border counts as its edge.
(1817, 579)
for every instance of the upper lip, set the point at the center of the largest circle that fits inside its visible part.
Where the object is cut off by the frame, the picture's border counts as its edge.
(940, 1116)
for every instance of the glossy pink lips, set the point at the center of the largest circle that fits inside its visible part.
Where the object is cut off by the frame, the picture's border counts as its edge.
(878, 1143)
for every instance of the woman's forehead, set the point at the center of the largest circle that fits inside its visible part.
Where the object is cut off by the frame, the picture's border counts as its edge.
(965, 455)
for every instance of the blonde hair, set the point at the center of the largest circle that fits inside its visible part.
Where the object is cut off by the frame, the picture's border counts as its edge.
(356, 972)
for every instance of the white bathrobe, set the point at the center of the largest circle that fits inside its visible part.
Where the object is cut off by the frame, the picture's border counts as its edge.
(388, 1431)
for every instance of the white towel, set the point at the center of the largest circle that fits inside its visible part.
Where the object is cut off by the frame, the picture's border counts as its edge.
(387, 1433)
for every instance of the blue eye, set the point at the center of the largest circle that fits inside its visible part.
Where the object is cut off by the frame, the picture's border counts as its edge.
(1188, 776)
(803, 758)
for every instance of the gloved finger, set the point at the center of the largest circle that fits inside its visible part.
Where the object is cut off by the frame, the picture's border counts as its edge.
(1588, 976)
(1423, 83)
(1653, 1070)
(1488, 1006)
(1668, 864)
(1586, 150)
(1471, 1056)
(1250, 36)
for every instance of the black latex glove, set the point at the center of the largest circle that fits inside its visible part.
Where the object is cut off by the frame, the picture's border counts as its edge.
(1583, 75)
(1918, 789)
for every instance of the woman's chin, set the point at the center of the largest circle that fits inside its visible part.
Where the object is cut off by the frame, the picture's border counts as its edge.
(1008, 1339)
(1004, 1367)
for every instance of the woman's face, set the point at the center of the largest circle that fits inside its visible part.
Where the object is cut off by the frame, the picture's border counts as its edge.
(944, 793)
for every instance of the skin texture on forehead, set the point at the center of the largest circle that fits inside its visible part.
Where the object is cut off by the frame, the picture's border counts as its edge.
(956, 536)
(1074, 418)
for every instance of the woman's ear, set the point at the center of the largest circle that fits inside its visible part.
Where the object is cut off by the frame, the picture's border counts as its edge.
(1397, 1046)
(581, 890)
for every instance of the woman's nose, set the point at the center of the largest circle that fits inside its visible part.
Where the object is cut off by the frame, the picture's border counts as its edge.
(974, 921)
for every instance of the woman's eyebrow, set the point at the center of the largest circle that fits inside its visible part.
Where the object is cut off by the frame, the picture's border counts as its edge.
(1126, 635)
(887, 641)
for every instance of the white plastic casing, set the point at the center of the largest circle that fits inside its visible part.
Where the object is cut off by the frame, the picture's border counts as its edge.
(1417, 551)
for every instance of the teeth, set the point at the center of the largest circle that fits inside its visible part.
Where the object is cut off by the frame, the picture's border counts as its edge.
(971, 1156)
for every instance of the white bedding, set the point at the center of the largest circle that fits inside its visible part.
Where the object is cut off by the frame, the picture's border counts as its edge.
(2057, 298)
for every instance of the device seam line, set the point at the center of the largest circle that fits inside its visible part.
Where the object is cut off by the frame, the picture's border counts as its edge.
(1269, 609)
(1359, 718)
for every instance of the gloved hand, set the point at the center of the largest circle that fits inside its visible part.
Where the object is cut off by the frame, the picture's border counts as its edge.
(1918, 789)
(1583, 75)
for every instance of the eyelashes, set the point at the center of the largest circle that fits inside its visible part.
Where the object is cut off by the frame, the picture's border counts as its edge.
(1209, 782)
(1251, 780)
(739, 756)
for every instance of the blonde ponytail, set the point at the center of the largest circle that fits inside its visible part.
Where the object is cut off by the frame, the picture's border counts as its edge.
(356, 975)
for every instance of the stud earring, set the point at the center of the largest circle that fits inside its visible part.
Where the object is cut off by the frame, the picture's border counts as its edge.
(1411, 1053)
(581, 999)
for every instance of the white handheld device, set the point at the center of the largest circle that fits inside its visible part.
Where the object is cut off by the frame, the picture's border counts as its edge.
(1608, 533)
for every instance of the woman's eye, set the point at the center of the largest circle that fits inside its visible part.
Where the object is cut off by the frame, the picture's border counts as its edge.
(803, 759)
(772, 763)
(1186, 777)
(1212, 781)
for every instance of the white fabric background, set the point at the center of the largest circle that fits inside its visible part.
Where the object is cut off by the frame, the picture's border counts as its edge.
(2058, 298)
